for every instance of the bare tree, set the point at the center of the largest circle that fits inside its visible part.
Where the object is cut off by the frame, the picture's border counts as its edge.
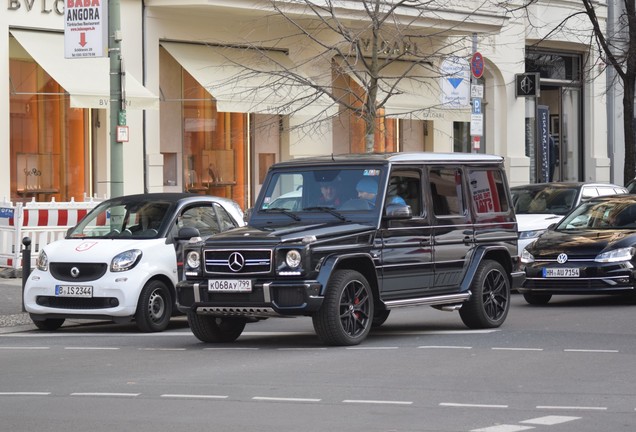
(372, 47)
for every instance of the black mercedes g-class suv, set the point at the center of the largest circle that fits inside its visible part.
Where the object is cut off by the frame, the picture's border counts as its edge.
(345, 239)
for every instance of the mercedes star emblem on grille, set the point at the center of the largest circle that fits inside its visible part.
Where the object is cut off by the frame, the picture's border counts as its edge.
(562, 258)
(75, 272)
(236, 262)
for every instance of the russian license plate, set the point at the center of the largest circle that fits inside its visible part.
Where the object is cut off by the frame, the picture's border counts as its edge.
(73, 291)
(230, 285)
(560, 272)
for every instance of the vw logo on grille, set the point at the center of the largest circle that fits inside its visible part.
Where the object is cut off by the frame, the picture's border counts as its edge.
(236, 262)
(75, 272)
(562, 258)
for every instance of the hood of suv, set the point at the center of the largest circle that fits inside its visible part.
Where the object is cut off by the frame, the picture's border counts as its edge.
(289, 234)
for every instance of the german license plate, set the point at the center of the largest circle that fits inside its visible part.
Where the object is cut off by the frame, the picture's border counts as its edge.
(73, 291)
(560, 272)
(230, 285)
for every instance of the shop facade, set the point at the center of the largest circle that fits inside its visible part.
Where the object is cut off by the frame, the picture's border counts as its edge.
(193, 126)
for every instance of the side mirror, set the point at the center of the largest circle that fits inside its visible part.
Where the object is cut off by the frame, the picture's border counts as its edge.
(187, 233)
(551, 226)
(398, 211)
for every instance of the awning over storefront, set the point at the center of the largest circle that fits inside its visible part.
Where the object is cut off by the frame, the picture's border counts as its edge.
(249, 80)
(87, 80)
(414, 88)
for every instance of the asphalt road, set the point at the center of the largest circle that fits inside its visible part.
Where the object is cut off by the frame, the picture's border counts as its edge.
(561, 367)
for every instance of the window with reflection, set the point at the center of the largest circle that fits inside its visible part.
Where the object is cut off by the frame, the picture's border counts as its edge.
(48, 138)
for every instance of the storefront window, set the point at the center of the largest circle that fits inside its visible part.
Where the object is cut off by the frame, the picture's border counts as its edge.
(214, 145)
(349, 127)
(48, 143)
(554, 142)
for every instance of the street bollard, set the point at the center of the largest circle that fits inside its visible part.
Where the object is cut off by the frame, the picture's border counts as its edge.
(26, 265)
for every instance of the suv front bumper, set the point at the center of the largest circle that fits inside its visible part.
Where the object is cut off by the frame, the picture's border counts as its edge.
(267, 299)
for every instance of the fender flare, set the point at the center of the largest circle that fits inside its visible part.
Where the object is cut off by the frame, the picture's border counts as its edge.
(476, 259)
(331, 263)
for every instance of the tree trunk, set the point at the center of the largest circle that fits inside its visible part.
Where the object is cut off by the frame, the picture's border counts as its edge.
(629, 170)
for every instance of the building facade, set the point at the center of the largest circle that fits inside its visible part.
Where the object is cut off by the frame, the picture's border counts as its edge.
(215, 92)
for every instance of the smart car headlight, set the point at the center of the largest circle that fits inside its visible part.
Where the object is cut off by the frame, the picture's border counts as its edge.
(42, 263)
(616, 255)
(125, 260)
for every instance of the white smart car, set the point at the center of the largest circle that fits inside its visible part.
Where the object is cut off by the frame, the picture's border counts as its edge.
(122, 261)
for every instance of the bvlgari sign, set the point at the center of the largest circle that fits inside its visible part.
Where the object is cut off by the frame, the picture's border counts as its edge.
(86, 28)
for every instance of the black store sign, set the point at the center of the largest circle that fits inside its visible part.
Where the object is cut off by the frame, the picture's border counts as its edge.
(527, 85)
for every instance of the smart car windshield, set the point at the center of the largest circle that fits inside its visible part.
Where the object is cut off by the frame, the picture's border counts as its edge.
(123, 219)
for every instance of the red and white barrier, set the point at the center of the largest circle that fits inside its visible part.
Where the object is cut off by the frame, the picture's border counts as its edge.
(42, 222)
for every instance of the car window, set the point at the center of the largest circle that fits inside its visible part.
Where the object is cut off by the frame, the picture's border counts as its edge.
(405, 187)
(202, 218)
(225, 220)
(488, 191)
(544, 200)
(588, 192)
(606, 190)
(446, 191)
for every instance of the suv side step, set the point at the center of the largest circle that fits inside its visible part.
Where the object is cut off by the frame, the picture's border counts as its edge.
(450, 300)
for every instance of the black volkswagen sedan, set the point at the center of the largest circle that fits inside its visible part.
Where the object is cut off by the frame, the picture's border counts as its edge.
(591, 251)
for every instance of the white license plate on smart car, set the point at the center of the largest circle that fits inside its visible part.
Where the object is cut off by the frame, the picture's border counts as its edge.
(233, 285)
(560, 272)
(73, 291)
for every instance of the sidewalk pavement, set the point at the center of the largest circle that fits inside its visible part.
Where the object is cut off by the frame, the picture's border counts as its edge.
(12, 319)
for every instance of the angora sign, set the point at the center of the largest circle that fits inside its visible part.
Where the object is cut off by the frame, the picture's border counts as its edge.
(86, 28)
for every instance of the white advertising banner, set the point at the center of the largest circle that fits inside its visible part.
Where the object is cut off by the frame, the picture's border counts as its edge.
(86, 28)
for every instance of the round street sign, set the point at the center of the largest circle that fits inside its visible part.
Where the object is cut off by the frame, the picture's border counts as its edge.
(477, 65)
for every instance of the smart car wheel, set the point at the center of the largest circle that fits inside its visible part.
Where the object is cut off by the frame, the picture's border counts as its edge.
(154, 308)
(346, 314)
(212, 329)
(537, 299)
(490, 300)
(50, 324)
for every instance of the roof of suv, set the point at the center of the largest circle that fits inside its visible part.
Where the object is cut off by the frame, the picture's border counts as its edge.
(535, 186)
(403, 157)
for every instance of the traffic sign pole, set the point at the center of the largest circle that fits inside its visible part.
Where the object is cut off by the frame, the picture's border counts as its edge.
(477, 116)
(116, 110)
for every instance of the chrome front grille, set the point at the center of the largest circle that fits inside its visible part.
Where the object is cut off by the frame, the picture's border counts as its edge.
(238, 262)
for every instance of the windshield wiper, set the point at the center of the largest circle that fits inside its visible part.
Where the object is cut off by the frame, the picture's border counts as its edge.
(328, 210)
(283, 211)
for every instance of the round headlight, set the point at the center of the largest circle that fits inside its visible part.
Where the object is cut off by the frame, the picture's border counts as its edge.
(193, 259)
(293, 258)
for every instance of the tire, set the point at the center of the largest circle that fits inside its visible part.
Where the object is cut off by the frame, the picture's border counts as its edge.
(537, 299)
(490, 300)
(154, 307)
(346, 314)
(213, 329)
(50, 324)
(380, 317)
